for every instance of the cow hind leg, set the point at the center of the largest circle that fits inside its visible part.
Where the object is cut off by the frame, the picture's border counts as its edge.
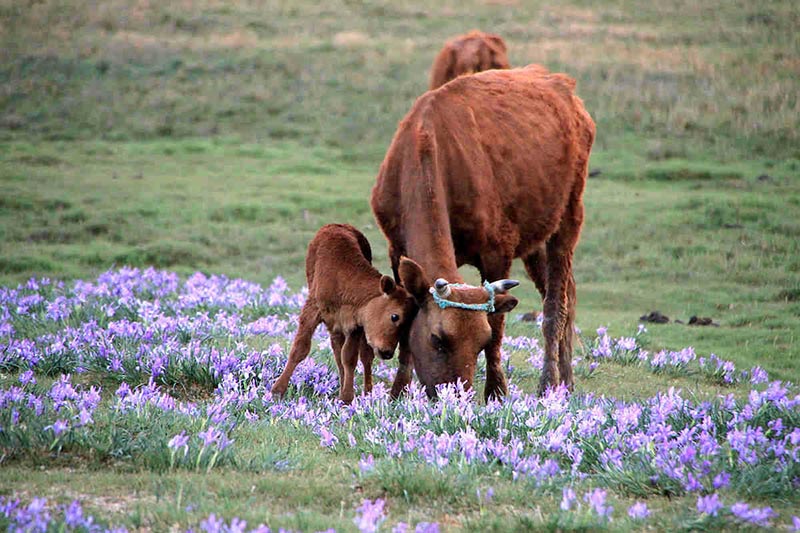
(559, 303)
(536, 266)
(308, 322)
(496, 385)
(565, 343)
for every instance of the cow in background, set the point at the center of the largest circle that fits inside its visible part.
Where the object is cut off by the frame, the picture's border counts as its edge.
(485, 169)
(472, 52)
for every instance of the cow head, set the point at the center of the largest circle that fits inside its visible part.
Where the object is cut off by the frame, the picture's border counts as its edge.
(445, 339)
(386, 316)
(479, 52)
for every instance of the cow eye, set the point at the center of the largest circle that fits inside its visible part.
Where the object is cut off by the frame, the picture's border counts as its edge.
(395, 318)
(437, 342)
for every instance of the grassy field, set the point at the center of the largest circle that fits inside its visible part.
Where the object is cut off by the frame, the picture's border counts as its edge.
(216, 136)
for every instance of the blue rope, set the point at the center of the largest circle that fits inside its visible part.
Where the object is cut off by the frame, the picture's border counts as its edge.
(444, 303)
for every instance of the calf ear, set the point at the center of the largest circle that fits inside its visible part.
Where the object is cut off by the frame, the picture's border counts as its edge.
(387, 285)
(503, 303)
(413, 279)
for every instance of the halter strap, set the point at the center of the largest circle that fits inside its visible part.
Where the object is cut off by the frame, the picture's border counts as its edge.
(444, 303)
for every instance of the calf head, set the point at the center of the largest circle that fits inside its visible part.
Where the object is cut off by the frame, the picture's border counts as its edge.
(386, 316)
(451, 326)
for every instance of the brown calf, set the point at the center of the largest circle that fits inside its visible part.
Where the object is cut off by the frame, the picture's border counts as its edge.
(483, 170)
(466, 54)
(363, 311)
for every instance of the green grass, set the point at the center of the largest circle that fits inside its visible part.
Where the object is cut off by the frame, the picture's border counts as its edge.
(218, 137)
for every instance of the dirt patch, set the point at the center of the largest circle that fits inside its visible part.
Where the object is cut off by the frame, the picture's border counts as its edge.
(236, 39)
(351, 39)
(702, 321)
(654, 317)
(39, 160)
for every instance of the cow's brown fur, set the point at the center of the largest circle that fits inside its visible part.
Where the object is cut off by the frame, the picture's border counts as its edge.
(472, 52)
(363, 311)
(483, 170)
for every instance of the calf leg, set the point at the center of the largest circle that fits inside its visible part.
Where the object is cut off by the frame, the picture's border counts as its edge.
(337, 342)
(309, 320)
(367, 355)
(496, 385)
(352, 343)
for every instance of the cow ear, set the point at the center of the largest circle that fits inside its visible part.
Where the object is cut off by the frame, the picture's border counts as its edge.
(387, 285)
(413, 279)
(503, 303)
(497, 41)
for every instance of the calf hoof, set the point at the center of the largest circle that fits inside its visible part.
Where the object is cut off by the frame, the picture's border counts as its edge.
(346, 399)
(278, 390)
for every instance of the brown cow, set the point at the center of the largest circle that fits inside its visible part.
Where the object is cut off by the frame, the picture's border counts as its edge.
(363, 311)
(483, 170)
(466, 54)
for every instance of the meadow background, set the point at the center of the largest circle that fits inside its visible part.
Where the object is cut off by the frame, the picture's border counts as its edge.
(218, 136)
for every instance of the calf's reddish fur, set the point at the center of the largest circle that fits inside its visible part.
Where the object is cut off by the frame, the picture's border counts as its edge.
(363, 311)
(466, 54)
(483, 170)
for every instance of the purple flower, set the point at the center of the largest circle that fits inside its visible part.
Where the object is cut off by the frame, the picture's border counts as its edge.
(567, 498)
(638, 511)
(327, 439)
(212, 524)
(795, 523)
(597, 500)
(366, 464)
(758, 375)
(73, 516)
(757, 516)
(179, 441)
(58, 427)
(427, 527)
(709, 505)
(721, 480)
(210, 436)
(370, 515)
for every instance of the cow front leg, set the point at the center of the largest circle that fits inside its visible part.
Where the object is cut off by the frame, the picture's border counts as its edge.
(405, 366)
(496, 385)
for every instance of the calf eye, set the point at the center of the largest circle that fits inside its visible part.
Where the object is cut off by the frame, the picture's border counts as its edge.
(395, 318)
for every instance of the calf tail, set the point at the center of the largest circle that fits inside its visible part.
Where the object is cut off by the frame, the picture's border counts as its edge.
(363, 243)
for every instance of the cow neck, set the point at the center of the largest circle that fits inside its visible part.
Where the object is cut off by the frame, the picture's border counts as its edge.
(428, 236)
(430, 245)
